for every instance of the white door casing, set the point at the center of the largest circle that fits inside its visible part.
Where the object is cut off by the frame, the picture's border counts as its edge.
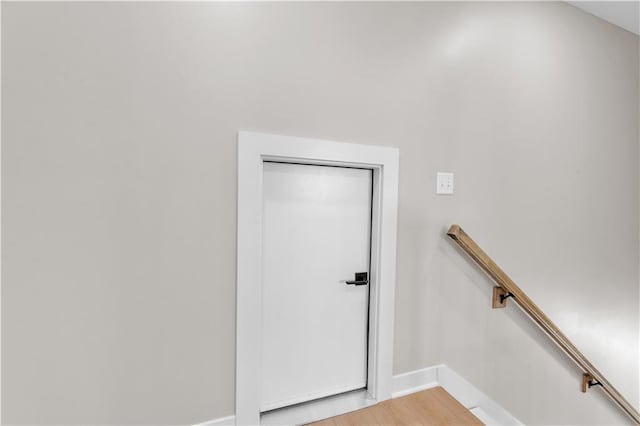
(253, 150)
(315, 236)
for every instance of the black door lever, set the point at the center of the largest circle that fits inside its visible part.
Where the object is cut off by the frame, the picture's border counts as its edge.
(362, 278)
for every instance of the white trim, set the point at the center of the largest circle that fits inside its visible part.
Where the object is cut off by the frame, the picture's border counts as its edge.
(222, 421)
(253, 150)
(487, 410)
(473, 398)
(415, 381)
(484, 417)
(319, 409)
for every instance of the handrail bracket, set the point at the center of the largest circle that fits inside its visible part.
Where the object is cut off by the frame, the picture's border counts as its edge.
(588, 381)
(500, 297)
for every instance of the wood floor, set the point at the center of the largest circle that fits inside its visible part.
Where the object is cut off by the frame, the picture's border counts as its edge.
(432, 407)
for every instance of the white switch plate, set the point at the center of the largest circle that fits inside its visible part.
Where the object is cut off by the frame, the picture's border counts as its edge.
(444, 183)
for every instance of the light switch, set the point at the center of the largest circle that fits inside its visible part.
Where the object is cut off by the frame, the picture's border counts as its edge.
(444, 183)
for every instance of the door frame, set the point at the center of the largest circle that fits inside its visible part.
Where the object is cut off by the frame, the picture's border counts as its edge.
(253, 150)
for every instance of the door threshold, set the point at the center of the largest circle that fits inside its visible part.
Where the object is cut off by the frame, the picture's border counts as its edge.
(318, 409)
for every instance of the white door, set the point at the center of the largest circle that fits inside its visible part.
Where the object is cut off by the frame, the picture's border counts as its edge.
(316, 235)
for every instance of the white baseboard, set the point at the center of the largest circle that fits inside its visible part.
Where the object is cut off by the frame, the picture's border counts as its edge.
(222, 421)
(474, 399)
(415, 381)
(484, 417)
(483, 407)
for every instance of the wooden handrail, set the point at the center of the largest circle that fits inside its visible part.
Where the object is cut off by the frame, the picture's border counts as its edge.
(591, 375)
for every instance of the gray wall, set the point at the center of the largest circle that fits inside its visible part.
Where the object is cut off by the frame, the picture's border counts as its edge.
(119, 191)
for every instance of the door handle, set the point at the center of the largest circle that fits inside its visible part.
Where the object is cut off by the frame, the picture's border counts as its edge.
(362, 278)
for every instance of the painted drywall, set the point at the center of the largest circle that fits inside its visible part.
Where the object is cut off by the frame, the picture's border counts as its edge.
(119, 192)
